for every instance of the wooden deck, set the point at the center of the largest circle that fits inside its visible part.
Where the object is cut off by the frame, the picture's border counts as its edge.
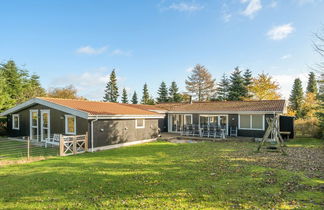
(171, 136)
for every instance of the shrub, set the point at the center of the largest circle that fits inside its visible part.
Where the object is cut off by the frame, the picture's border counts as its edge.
(307, 127)
(3, 126)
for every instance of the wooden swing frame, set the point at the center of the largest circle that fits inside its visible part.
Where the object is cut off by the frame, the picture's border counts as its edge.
(274, 130)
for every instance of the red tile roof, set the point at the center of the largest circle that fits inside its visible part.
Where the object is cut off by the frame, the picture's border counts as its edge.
(99, 108)
(233, 106)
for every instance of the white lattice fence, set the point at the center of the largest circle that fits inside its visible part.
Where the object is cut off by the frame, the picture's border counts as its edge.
(71, 145)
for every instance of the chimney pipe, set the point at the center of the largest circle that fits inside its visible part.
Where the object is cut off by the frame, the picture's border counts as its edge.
(190, 99)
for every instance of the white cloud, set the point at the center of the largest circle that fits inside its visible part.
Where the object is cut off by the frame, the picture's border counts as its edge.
(252, 7)
(185, 7)
(121, 52)
(286, 82)
(90, 84)
(91, 51)
(285, 57)
(280, 32)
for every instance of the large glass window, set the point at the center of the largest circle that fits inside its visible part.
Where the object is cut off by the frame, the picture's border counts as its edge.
(245, 121)
(257, 122)
(70, 124)
(15, 121)
(187, 119)
(251, 121)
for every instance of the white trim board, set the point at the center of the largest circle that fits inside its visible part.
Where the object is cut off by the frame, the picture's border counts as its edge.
(225, 112)
(114, 146)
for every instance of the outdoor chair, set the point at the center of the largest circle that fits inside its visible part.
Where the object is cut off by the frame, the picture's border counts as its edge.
(205, 131)
(196, 130)
(212, 131)
(233, 131)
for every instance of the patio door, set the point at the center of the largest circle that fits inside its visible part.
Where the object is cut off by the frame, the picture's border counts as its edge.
(45, 125)
(33, 124)
(220, 121)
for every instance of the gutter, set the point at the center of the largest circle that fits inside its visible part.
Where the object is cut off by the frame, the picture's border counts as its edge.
(92, 132)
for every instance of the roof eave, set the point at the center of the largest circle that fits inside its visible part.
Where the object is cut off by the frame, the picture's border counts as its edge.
(49, 104)
(108, 117)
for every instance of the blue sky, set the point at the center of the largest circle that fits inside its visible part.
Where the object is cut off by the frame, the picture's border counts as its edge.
(80, 42)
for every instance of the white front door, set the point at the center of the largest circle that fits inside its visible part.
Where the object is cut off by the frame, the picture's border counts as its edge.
(45, 125)
(33, 124)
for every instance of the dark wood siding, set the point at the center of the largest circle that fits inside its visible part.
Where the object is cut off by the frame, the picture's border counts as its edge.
(108, 132)
(57, 122)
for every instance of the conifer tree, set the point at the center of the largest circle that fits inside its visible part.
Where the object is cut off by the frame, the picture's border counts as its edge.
(296, 97)
(124, 97)
(174, 95)
(162, 93)
(237, 90)
(200, 83)
(19, 85)
(247, 76)
(146, 95)
(134, 98)
(312, 84)
(223, 88)
(111, 92)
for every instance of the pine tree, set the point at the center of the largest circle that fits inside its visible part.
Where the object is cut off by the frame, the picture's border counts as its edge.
(163, 93)
(111, 92)
(146, 95)
(296, 97)
(5, 101)
(134, 98)
(247, 76)
(312, 84)
(19, 85)
(223, 88)
(237, 90)
(124, 97)
(200, 83)
(174, 95)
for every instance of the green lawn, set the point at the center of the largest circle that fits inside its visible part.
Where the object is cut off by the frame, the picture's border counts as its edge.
(166, 175)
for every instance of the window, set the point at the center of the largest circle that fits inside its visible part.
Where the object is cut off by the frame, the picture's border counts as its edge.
(251, 121)
(187, 119)
(70, 124)
(15, 121)
(139, 123)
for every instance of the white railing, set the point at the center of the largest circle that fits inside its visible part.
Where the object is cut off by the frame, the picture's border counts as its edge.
(71, 145)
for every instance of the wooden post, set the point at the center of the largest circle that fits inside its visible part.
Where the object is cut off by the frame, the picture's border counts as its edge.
(28, 147)
(86, 143)
(74, 145)
(61, 145)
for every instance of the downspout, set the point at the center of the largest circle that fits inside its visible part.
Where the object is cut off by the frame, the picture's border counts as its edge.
(92, 132)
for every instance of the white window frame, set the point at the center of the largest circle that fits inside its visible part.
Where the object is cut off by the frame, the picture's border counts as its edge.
(31, 126)
(184, 119)
(250, 128)
(66, 125)
(136, 126)
(48, 125)
(13, 122)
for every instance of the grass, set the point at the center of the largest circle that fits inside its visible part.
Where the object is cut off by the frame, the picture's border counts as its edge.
(159, 175)
(305, 142)
(11, 150)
